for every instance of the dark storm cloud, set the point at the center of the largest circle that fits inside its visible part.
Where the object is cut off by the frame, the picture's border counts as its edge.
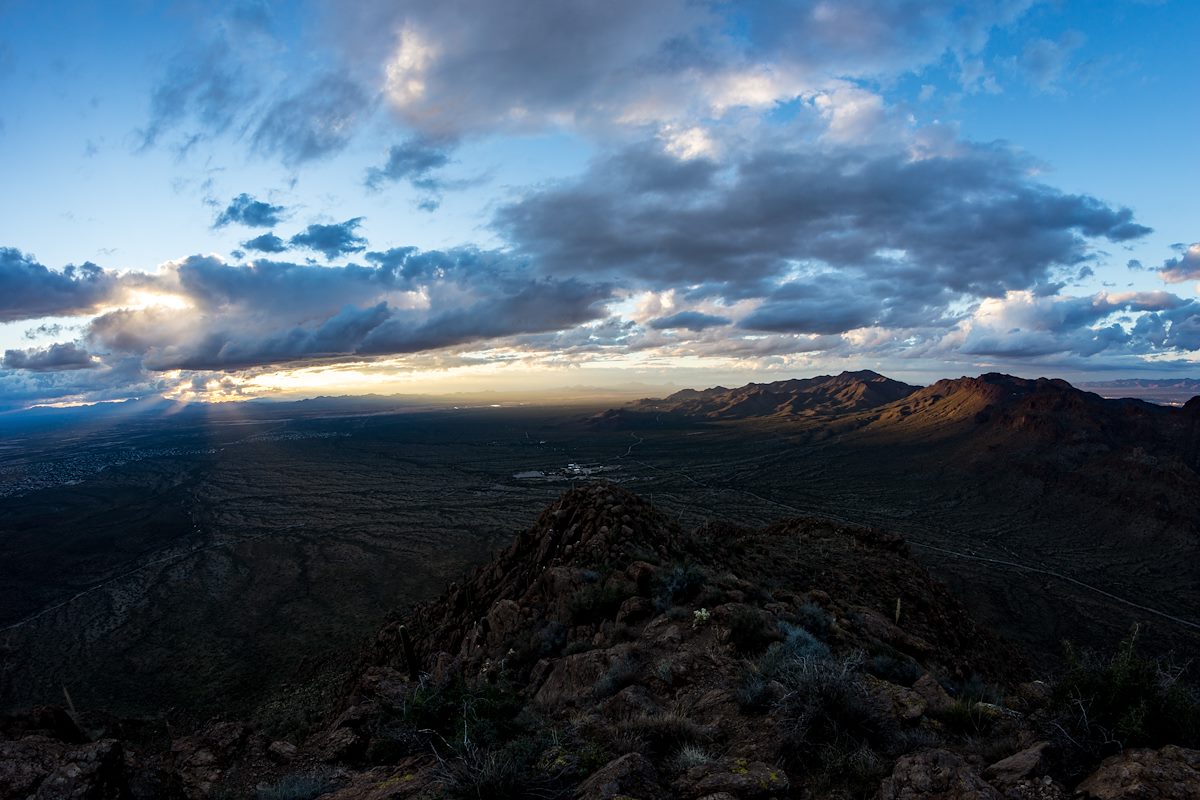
(907, 232)
(1184, 267)
(814, 307)
(29, 290)
(283, 313)
(267, 243)
(689, 320)
(331, 241)
(245, 210)
(55, 358)
(537, 306)
(117, 379)
(315, 122)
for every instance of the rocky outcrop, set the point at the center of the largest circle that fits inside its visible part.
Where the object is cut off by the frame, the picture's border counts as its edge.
(935, 775)
(607, 654)
(43, 768)
(1172, 773)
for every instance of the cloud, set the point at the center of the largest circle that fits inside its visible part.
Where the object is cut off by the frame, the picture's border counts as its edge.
(29, 290)
(332, 240)
(56, 357)
(1184, 267)
(689, 320)
(487, 65)
(816, 307)
(409, 302)
(1045, 61)
(266, 243)
(115, 379)
(315, 122)
(920, 233)
(539, 305)
(415, 161)
(245, 210)
(1022, 325)
(208, 86)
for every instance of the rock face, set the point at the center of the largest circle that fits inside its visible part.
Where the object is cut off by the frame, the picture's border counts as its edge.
(1032, 762)
(935, 775)
(631, 775)
(1171, 773)
(607, 654)
(42, 768)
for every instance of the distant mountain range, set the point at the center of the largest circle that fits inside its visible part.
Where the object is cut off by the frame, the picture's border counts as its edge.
(823, 395)
(1171, 391)
(898, 404)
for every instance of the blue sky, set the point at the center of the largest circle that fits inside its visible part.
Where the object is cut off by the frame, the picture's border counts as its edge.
(504, 194)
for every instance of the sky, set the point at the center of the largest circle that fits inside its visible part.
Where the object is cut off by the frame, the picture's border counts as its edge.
(224, 201)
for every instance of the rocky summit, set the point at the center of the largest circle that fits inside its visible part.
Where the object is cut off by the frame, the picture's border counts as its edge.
(607, 653)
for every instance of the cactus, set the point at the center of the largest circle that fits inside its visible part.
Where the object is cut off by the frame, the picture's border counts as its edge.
(410, 655)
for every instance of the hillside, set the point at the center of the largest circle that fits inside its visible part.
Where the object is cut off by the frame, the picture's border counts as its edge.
(821, 396)
(607, 653)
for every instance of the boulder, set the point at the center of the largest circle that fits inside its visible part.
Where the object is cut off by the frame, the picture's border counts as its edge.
(739, 777)
(630, 776)
(634, 610)
(1032, 762)
(572, 679)
(935, 775)
(93, 771)
(937, 701)
(1172, 773)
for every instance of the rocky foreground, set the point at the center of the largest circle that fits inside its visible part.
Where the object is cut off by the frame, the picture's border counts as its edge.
(607, 654)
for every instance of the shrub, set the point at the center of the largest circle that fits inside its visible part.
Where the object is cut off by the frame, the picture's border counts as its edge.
(598, 602)
(462, 713)
(622, 673)
(680, 584)
(753, 693)
(689, 756)
(751, 630)
(678, 613)
(664, 731)
(798, 650)
(830, 726)
(967, 717)
(1104, 704)
(499, 773)
(577, 646)
(894, 668)
(815, 620)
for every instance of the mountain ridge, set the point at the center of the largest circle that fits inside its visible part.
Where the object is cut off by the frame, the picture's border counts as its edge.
(607, 653)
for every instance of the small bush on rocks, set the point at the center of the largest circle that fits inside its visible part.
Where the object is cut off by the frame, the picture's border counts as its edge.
(690, 756)
(505, 772)
(751, 630)
(598, 602)
(815, 620)
(621, 674)
(894, 668)
(680, 584)
(1103, 704)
